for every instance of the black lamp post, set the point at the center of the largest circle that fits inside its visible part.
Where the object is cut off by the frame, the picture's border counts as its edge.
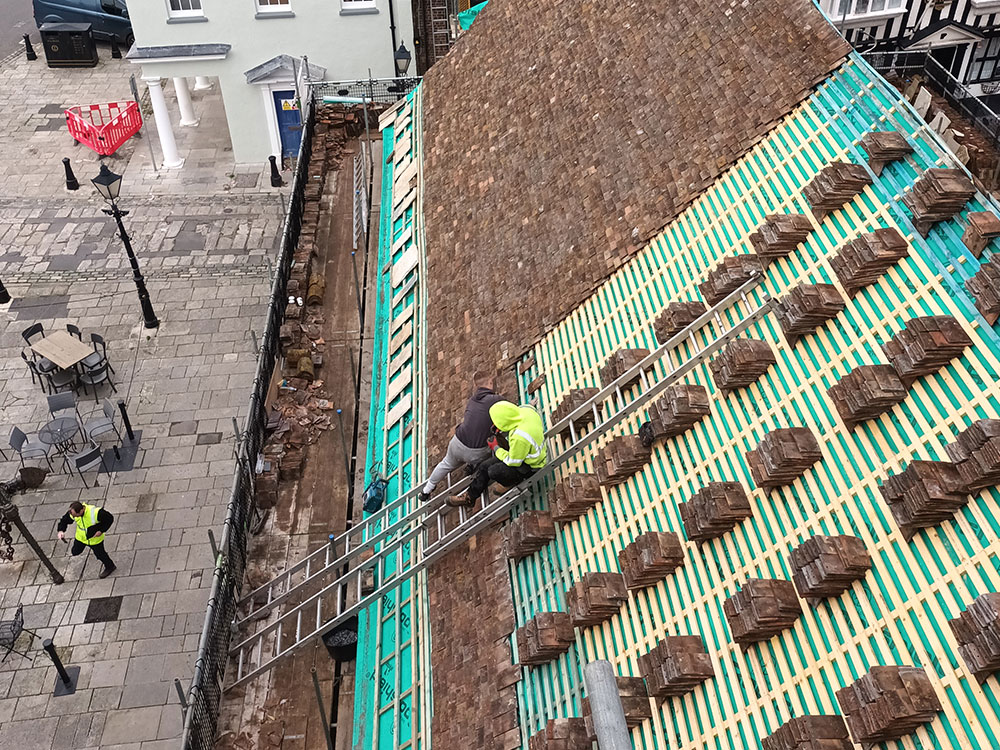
(4, 294)
(109, 184)
(402, 60)
(10, 516)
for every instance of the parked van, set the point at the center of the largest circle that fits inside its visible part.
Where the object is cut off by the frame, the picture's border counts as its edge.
(109, 18)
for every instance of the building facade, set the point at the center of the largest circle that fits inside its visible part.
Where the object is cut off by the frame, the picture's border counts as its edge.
(260, 52)
(962, 35)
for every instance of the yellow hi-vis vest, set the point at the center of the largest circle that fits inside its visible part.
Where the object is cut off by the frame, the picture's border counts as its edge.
(84, 522)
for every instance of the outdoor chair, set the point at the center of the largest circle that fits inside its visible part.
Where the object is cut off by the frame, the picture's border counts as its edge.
(61, 380)
(101, 424)
(10, 631)
(100, 355)
(87, 459)
(63, 402)
(44, 365)
(73, 330)
(95, 377)
(33, 369)
(29, 449)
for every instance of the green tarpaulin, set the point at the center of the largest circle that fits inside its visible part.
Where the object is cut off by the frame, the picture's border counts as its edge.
(466, 17)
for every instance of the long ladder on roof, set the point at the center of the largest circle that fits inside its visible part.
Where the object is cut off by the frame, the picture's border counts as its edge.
(378, 549)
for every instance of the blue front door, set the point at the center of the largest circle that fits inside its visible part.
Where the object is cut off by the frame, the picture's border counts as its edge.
(286, 106)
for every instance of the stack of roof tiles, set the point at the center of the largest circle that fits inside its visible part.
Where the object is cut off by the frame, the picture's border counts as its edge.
(676, 317)
(528, 533)
(884, 147)
(741, 363)
(650, 558)
(542, 638)
(925, 345)
(806, 307)
(977, 631)
(888, 703)
(561, 734)
(762, 608)
(983, 227)
(976, 455)
(824, 566)
(985, 289)
(620, 459)
(621, 362)
(810, 733)
(574, 495)
(714, 509)
(635, 704)
(835, 186)
(675, 666)
(779, 235)
(938, 195)
(923, 495)
(730, 274)
(866, 392)
(572, 401)
(861, 261)
(782, 456)
(679, 409)
(595, 598)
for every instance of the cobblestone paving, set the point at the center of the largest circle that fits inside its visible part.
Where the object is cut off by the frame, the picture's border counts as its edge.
(206, 237)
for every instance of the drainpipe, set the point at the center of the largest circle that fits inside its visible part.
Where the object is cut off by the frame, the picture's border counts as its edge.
(392, 33)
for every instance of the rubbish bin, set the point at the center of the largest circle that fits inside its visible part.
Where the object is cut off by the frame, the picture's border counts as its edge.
(69, 45)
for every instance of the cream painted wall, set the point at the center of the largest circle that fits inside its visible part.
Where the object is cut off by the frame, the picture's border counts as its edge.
(347, 45)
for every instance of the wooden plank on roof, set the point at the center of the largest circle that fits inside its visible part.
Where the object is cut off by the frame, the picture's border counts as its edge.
(399, 383)
(402, 267)
(397, 412)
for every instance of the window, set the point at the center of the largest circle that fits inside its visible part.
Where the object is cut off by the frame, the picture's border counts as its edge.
(273, 6)
(869, 8)
(986, 63)
(184, 8)
(358, 6)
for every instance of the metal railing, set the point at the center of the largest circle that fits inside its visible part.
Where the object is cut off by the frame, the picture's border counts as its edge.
(943, 83)
(377, 90)
(205, 694)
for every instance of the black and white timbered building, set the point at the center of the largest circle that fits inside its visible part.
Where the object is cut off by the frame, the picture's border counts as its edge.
(962, 35)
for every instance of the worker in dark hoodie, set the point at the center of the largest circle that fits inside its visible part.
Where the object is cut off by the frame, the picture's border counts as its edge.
(469, 444)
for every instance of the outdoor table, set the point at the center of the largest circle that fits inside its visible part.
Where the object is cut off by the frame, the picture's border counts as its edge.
(62, 349)
(60, 433)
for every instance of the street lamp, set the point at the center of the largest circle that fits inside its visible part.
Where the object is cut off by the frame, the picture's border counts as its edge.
(9, 515)
(109, 184)
(402, 60)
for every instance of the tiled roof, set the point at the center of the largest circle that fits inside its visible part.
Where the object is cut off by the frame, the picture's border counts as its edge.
(559, 136)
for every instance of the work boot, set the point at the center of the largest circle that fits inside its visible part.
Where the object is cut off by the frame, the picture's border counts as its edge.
(107, 571)
(424, 497)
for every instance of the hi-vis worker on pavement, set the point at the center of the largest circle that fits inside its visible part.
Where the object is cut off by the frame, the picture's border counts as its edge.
(91, 523)
(525, 456)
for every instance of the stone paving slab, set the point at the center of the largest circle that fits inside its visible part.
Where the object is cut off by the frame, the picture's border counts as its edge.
(207, 248)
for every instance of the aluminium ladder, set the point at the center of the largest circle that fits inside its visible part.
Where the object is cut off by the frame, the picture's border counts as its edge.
(406, 521)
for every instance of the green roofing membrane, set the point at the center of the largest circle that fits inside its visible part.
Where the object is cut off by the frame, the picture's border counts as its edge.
(898, 614)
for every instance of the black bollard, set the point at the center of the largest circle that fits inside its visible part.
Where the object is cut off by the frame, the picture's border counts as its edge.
(276, 180)
(116, 53)
(66, 684)
(29, 51)
(71, 183)
(126, 421)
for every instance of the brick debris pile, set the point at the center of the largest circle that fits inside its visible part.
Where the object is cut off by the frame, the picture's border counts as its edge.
(532, 194)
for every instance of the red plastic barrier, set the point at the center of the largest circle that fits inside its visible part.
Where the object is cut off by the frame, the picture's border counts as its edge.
(104, 127)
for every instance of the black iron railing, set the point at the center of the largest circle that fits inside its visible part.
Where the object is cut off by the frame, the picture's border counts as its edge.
(374, 90)
(943, 83)
(205, 695)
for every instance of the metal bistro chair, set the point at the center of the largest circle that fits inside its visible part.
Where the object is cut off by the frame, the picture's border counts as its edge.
(100, 355)
(95, 377)
(62, 402)
(44, 365)
(74, 331)
(85, 460)
(29, 448)
(10, 631)
(99, 425)
(62, 380)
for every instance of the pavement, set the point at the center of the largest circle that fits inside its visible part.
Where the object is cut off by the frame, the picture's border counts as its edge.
(16, 20)
(206, 237)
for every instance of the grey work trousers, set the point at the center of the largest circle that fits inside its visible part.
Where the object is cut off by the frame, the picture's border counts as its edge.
(459, 454)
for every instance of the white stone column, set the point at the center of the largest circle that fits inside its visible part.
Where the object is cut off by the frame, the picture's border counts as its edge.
(201, 83)
(184, 103)
(171, 159)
